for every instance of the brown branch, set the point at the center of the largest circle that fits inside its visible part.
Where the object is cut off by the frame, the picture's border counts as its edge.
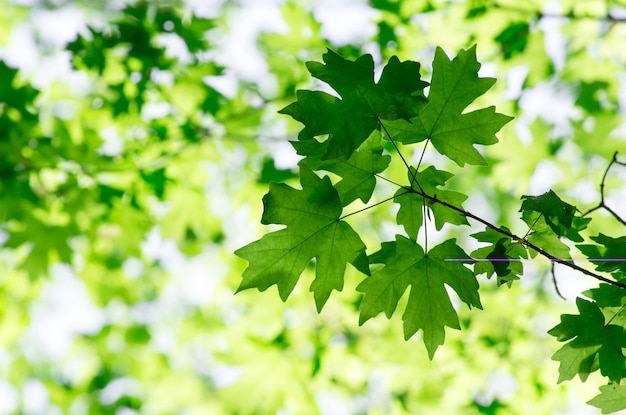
(434, 199)
(602, 204)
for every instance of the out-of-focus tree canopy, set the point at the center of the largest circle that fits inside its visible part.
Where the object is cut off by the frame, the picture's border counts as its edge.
(137, 140)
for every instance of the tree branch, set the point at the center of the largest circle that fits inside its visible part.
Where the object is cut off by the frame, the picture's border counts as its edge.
(434, 199)
(538, 15)
(602, 204)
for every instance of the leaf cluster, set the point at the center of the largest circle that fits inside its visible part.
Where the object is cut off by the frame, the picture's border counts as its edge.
(347, 143)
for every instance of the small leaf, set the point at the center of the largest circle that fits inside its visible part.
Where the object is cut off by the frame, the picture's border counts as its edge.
(513, 39)
(559, 215)
(410, 214)
(501, 249)
(612, 398)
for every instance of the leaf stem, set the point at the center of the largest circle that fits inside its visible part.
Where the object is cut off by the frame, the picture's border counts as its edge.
(371, 206)
(533, 225)
(615, 315)
(406, 164)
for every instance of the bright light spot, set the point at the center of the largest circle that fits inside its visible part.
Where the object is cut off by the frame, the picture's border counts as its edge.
(163, 250)
(118, 388)
(515, 78)
(35, 397)
(250, 21)
(500, 386)
(8, 398)
(546, 174)
(348, 22)
(133, 268)
(62, 311)
(553, 103)
(555, 43)
(175, 47)
(206, 8)
(155, 110)
(113, 144)
(59, 26)
(330, 404)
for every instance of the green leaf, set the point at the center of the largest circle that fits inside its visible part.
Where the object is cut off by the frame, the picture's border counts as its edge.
(350, 120)
(542, 237)
(610, 255)
(357, 173)
(593, 344)
(501, 249)
(513, 39)
(559, 215)
(313, 231)
(612, 398)
(429, 307)
(410, 214)
(455, 85)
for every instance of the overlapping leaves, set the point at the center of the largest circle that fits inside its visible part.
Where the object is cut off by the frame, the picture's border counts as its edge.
(350, 120)
(342, 135)
(412, 203)
(550, 218)
(500, 257)
(455, 85)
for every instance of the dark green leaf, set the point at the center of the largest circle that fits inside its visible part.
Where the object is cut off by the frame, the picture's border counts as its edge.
(513, 39)
(350, 120)
(557, 214)
(498, 253)
(609, 255)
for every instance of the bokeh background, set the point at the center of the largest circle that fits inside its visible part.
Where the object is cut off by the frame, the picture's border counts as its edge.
(138, 138)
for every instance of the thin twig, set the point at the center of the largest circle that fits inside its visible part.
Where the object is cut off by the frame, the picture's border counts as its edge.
(434, 199)
(556, 286)
(602, 204)
(538, 15)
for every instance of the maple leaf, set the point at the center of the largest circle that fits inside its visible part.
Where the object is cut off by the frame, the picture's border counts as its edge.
(455, 85)
(501, 249)
(429, 307)
(313, 230)
(410, 214)
(593, 344)
(350, 120)
(358, 172)
(608, 254)
(612, 398)
(557, 214)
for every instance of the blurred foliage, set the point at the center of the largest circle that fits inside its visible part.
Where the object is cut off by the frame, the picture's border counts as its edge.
(136, 143)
